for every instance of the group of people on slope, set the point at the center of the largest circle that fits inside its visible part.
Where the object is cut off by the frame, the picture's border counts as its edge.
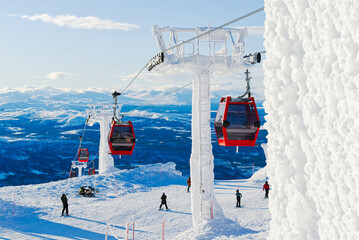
(164, 197)
(238, 194)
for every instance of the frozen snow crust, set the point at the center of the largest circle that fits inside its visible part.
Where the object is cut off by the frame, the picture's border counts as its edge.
(312, 100)
(127, 196)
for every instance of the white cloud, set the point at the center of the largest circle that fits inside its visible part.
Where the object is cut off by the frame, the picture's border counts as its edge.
(58, 75)
(89, 22)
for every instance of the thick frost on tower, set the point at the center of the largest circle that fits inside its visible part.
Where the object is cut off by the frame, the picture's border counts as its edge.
(312, 101)
(103, 115)
(206, 54)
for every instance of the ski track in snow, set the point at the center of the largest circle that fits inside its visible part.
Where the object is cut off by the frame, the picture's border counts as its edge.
(127, 196)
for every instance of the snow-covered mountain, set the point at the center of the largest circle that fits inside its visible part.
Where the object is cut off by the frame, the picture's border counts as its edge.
(40, 129)
(29, 96)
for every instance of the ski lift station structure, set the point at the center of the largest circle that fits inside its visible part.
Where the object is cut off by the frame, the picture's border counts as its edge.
(207, 52)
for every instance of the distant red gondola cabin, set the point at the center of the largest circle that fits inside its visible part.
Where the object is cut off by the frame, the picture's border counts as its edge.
(83, 155)
(73, 174)
(121, 139)
(237, 122)
(91, 171)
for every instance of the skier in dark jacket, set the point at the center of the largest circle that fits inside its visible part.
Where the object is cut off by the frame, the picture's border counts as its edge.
(65, 205)
(238, 195)
(163, 201)
(266, 188)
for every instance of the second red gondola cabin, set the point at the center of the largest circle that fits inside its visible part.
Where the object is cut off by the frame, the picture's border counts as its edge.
(83, 155)
(237, 122)
(121, 138)
(92, 171)
(73, 174)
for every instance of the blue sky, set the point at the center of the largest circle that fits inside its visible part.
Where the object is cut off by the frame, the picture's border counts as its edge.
(86, 44)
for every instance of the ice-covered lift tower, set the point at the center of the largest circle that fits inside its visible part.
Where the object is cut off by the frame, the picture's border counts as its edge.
(103, 115)
(202, 56)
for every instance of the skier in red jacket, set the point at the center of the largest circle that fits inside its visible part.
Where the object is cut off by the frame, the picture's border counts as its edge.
(266, 188)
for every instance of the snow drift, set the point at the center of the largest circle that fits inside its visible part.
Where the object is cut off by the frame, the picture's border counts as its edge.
(312, 100)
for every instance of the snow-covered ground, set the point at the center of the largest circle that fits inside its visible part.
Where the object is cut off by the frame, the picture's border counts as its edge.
(132, 196)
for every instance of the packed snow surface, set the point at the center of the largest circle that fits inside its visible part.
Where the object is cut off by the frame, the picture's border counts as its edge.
(312, 100)
(132, 196)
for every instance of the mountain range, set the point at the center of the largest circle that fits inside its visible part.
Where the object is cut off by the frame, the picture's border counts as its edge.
(40, 129)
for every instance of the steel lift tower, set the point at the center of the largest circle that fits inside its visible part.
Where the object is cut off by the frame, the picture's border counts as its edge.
(221, 51)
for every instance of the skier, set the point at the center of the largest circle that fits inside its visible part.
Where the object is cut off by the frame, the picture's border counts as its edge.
(266, 188)
(65, 205)
(238, 195)
(188, 183)
(163, 201)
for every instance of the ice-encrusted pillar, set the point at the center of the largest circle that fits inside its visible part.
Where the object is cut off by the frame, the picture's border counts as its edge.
(201, 157)
(103, 115)
(106, 162)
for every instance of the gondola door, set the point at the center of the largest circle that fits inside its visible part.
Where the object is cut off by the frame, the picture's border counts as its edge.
(237, 122)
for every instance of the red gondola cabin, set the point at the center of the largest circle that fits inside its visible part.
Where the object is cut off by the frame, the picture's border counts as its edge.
(237, 122)
(91, 171)
(121, 139)
(73, 174)
(83, 155)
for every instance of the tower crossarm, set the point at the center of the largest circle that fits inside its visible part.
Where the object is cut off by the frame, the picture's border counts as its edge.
(200, 41)
(96, 113)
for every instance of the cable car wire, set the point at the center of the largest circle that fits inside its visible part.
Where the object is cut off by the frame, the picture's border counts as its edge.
(93, 159)
(133, 79)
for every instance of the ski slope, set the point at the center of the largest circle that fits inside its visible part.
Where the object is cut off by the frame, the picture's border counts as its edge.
(132, 196)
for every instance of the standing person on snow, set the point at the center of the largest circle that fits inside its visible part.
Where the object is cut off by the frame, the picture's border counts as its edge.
(65, 205)
(266, 188)
(188, 183)
(238, 195)
(163, 201)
